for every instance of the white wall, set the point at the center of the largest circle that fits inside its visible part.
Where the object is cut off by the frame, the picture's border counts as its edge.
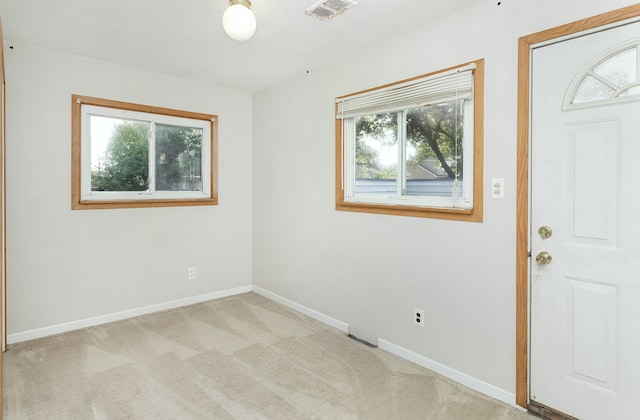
(276, 223)
(64, 265)
(372, 270)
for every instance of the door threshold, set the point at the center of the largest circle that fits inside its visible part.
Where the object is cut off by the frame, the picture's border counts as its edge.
(547, 413)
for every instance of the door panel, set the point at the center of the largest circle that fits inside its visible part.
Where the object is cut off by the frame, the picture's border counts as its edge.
(585, 169)
(592, 331)
(593, 166)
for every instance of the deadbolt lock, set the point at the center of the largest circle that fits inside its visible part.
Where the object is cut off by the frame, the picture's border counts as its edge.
(543, 258)
(545, 232)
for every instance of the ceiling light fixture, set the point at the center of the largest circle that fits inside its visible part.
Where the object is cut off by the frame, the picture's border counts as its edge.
(238, 20)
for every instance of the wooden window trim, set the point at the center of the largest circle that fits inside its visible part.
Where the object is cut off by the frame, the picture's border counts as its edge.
(468, 215)
(76, 157)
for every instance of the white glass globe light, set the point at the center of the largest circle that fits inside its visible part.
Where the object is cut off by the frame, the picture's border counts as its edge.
(239, 22)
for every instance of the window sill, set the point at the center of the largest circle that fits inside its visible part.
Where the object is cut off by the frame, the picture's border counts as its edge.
(122, 204)
(467, 215)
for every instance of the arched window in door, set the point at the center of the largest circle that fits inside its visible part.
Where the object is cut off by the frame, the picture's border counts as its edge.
(610, 77)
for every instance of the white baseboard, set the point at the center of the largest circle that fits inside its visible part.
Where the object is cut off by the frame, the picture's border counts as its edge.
(455, 375)
(104, 319)
(342, 326)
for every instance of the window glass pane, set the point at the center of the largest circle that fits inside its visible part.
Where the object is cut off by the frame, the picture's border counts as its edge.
(434, 148)
(619, 69)
(376, 154)
(119, 154)
(592, 89)
(178, 158)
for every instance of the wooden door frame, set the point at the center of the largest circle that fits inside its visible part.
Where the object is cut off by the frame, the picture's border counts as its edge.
(525, 44)
(3, 204)
(3, 225)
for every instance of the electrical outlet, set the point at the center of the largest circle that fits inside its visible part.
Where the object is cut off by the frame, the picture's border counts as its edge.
(418, 317)
(497, 188)
(191, 273)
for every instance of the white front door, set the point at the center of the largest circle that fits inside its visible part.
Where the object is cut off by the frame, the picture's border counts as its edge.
(585, 195)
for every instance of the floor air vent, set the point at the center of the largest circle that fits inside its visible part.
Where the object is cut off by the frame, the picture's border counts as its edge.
(360, 340)
(328, 9)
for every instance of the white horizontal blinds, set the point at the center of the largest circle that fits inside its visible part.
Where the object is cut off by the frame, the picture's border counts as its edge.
(455, 83)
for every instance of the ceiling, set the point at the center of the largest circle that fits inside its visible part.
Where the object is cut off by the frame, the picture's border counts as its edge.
(185, 37)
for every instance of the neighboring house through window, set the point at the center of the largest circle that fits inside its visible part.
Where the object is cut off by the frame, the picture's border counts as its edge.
(129, 155)
(414, 147)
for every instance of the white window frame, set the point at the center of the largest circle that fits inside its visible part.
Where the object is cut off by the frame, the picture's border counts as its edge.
(467, 204)
(82, 195)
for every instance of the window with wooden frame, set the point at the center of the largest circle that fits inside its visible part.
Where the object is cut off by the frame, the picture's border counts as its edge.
(414, 147)
(131, 155)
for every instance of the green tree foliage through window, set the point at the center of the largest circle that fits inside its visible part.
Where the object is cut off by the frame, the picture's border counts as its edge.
(433, 132)
(126, 160)
(178, 158)
(125, 163)
(437, 131)
(373, 132)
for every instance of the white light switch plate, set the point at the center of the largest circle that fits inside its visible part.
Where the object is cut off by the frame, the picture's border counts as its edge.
(497, 188)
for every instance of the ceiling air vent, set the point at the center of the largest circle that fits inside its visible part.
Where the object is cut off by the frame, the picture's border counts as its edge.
(328, 9)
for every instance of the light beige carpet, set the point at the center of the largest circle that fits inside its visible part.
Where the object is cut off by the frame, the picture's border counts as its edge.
(243, 357)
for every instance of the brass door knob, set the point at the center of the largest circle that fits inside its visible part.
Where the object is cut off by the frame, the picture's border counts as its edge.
(543, 258)
(545, 232)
